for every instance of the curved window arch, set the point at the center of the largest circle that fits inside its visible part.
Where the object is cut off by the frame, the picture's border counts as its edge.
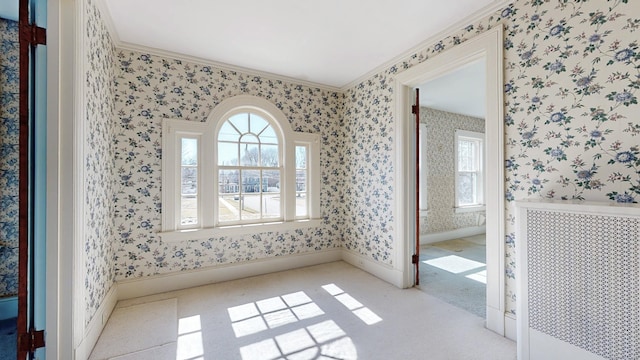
(243, 166)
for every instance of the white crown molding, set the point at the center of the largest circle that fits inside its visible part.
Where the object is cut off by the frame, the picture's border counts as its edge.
(119, 44)
(449, 31)
(123, 45)
(223, 66)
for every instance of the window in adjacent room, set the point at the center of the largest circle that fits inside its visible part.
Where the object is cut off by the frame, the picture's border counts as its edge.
(469, 182)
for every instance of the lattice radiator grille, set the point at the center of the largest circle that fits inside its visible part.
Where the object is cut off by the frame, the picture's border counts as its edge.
(584, 280)
(578, 280)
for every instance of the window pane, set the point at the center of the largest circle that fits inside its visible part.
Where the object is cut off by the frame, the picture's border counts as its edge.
(228, 181)
(301, 180)
(241, 122)
(467, 185)
(250, 206)
(467, 155)
(301, 205)
(249, 154)
(270, 155)
(271, 198)
(257, 124)
(301, 193)
(189, 151)
(227, 154)
(271, 180)
(229, 199)
(268, 136)
(301, 157)
(228, 133)
(189, 196)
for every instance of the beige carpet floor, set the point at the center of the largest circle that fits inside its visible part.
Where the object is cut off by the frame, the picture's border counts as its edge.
(330, 311)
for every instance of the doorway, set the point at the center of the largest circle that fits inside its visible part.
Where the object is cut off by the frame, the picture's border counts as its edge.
(452, 262)
(487, 46)
(23, 178)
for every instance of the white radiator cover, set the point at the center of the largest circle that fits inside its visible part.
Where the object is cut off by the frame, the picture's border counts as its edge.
(578, 280)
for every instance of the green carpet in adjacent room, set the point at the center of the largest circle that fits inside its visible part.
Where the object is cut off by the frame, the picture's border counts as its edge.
(455, 271)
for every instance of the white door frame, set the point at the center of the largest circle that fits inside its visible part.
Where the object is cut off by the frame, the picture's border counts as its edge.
(488, 45)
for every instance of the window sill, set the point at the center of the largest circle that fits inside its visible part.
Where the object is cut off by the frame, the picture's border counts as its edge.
(466, 209)
(248, 229)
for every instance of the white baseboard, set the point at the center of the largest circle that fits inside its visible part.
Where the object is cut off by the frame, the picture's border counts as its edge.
(8, 307)
(384, 272)
(150, 285)
(452, 234)
(543, 346)
(96, 325)
(495, 320)
(510, 327)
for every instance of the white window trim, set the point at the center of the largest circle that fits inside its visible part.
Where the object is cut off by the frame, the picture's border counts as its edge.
(478, 136)
(173, 130)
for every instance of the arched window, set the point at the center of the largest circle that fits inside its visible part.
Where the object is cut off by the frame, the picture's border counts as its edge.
(249, 170)
(243, 167)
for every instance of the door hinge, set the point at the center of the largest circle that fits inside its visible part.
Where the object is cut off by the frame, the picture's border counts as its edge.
(35, 34)
(30, 341)
(414, 109)
(415, 258)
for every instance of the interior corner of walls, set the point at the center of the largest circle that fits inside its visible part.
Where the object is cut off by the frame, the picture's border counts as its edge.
(93, 330)
(377, 269)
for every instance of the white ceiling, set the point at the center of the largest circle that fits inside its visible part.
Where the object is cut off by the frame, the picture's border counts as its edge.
(328, 42)
(462, 91)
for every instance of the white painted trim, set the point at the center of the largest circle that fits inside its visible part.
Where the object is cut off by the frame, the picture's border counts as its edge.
(387, 273)
(8, 307)
(468, 209)
(546, 347)
(61, 79)
(97, 324)
(510, 327)
(447, 32)
(582, 207)
(174, 130)
(451, 234)
(78, 174)
(488, 45)
(149, 285)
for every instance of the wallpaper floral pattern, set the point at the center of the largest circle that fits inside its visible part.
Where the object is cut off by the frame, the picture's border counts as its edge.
(571, 82)
(9, 131)
(150, 88)
(440, 167)
(99, 161)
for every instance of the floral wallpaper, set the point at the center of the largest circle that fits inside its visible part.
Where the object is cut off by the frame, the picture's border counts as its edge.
(99, 160)
(9, 134)
(440, 167)
(150, 88)
(571, 116)
(571, 82)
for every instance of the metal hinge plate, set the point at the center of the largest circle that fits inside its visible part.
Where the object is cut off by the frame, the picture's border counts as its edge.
(38, 35)
(31, 341)
(415, 258)
(414, 109)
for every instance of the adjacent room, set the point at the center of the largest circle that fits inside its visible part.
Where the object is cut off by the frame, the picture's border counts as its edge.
(258, 180)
